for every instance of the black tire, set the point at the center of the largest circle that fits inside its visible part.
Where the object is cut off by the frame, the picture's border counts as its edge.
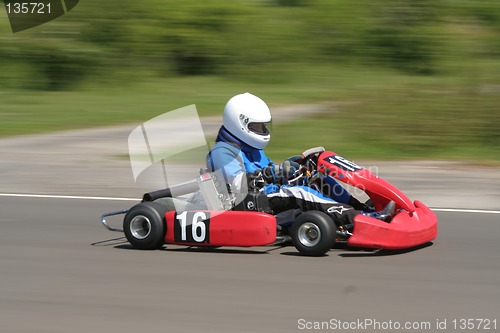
(313, 233)
(144, 225)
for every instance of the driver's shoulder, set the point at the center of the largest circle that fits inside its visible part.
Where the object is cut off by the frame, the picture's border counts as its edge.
(226, 147)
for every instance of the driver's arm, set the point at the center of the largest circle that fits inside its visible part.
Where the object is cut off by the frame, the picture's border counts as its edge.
(226, 158)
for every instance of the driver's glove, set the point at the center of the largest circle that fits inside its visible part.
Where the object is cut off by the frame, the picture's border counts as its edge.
(281, 173)
(294, 168)
(271, 174)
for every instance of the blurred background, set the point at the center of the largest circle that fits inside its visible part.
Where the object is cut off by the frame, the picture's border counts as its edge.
(392, 78)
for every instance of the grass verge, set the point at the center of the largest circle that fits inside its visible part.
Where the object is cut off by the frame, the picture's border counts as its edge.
(372, 113)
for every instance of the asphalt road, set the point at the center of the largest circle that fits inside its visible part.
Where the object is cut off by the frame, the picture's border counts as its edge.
(61, 271)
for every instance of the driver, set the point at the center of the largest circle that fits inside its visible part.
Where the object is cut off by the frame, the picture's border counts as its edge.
(239, 154)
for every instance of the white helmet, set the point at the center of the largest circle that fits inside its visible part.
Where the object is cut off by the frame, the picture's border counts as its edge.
(247, 116)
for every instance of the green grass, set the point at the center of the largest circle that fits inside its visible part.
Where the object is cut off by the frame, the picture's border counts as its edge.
(372, 113)
(103, 104)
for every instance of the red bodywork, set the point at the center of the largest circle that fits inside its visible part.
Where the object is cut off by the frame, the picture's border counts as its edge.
(413, 225)
(227, 228)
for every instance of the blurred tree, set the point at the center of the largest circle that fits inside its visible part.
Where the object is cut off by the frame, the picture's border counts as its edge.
(401, 34)
(266, 40)
(291, 2)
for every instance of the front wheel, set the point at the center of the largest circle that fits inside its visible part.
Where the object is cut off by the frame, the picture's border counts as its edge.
(144, 225)
(313, 233)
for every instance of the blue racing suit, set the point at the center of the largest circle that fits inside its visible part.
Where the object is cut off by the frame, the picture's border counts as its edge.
(236, 159)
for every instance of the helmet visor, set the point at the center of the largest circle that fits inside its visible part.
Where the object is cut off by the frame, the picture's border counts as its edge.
(260, 128)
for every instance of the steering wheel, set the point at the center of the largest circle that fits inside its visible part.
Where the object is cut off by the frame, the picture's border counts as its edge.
(308, 170)
(313, 152)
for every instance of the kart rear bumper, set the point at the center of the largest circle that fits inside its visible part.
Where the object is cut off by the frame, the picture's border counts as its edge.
(406, 230)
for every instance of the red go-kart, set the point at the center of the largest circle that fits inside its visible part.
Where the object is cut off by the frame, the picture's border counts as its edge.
(150, 224)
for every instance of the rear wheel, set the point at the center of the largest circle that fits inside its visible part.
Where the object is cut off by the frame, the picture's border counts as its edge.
(144, 225)
(313, 233)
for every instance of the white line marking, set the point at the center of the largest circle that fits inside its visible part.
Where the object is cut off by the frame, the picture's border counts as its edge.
(480, 211)
(65, 197)
(466, 210)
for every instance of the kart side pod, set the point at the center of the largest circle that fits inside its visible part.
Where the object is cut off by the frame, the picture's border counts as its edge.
(220, 228)
(148, 225)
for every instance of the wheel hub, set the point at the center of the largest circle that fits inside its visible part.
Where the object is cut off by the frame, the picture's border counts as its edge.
(140, 227)
(309, 234)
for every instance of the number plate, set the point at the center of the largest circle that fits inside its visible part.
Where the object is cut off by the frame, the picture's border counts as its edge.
(342, 163)
(192, 227)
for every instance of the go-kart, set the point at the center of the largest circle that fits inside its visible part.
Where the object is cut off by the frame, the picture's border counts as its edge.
(224, 221)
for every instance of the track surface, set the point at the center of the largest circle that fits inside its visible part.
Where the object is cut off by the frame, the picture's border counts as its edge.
(63, 272)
